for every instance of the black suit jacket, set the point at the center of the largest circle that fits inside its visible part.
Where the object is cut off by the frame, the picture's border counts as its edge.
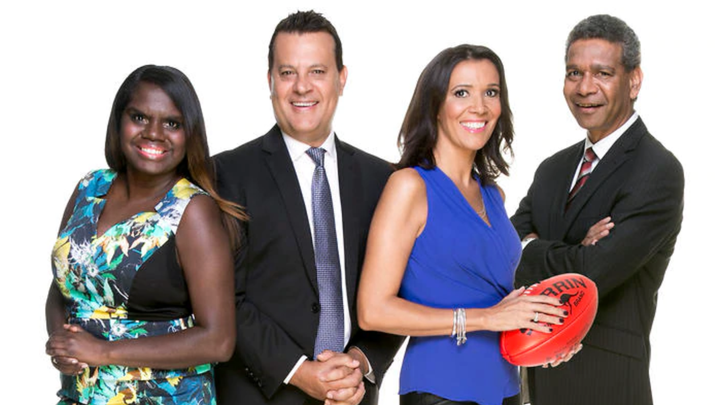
(640, 185)
(276, 285)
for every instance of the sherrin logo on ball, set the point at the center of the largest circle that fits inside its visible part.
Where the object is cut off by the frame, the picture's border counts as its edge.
(579, 297)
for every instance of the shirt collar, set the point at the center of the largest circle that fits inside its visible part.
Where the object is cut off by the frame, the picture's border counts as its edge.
(298, 149)
(603, 146)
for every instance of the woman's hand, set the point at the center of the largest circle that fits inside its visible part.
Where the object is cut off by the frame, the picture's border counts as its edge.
(73, 347)
(518, 311)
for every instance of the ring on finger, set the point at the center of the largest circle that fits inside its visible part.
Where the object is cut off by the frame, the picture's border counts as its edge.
(537, 315)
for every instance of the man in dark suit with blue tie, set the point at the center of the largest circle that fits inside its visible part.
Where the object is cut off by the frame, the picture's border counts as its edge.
(310, 198)
(609, 207)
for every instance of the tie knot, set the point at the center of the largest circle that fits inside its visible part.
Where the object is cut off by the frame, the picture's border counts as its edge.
(590, 155)
(317, 155)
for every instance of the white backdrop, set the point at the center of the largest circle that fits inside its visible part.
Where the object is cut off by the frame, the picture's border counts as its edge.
(62, 62)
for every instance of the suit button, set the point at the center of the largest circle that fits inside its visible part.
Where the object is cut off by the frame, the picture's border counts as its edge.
(315, 307)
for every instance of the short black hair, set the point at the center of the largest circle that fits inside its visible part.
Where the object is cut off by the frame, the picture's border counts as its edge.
(304, 22)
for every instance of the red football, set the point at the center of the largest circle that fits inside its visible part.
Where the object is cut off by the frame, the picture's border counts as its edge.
(579, 297)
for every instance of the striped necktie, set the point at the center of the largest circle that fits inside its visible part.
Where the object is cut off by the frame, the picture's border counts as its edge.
(585, 170)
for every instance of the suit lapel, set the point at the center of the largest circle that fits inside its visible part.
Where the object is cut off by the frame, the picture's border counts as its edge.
(566, 173)
(613, 160)
(282, 170)
(348, 175)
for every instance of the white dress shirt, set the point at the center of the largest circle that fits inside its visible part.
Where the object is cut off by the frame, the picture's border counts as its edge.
(602, 147)
(304, 169)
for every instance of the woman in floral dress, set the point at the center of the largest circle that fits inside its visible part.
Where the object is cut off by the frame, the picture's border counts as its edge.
(142, 300)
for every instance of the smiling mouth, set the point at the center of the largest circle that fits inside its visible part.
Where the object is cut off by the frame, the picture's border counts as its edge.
(152, 153)
(474, 126)
(303, 104)
(588, 105)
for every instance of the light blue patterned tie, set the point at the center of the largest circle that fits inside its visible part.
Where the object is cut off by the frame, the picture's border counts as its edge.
(330, 333)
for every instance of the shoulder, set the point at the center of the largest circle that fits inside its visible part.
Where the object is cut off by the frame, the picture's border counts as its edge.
(406, 184)
(201, 212)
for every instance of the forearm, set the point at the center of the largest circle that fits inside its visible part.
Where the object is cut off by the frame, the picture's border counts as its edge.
(398, 316)
(187, 348)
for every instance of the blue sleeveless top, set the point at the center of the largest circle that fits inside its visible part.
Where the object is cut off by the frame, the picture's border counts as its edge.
(460, 262)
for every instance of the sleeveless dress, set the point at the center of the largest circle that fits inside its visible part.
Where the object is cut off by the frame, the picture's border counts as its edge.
(458, 261)
(127, 284)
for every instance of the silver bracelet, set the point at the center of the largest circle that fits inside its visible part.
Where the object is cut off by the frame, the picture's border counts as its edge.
(461, 333)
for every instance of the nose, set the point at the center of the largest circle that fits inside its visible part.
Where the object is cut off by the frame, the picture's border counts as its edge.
(477, 104)
(302, 84)
(586, 85)
(154, 130)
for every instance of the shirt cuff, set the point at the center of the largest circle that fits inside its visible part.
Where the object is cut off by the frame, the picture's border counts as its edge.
(370, 375)
(526, 242)
(294, 369)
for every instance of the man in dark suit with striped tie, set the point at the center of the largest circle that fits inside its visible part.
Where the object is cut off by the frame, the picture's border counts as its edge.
(609, 207)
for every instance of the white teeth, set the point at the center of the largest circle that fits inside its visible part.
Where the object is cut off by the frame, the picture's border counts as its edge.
(153, 151)
(474, 125)
(306, 104)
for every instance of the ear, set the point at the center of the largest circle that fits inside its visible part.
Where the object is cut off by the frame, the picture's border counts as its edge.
(342, 79)
(636, 77)
(270, 81)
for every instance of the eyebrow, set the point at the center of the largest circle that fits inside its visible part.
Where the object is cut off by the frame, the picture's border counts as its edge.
(463, 85)
(595, 66)
(313, 66)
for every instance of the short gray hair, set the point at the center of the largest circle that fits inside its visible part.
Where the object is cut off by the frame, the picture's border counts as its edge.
(611, 29)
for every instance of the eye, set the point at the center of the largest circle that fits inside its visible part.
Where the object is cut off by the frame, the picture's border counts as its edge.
(317, 71)
(172, 124)
(286, 72)
(138, 118)
(572, 74)
(462, 93)
(492, 92)
(604, 74)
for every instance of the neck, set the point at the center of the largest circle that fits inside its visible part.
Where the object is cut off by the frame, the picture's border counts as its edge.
(457, 166)
(142, 186)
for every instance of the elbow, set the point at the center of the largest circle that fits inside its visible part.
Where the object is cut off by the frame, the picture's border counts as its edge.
(366, 320)
(222, 348)
(225, 350)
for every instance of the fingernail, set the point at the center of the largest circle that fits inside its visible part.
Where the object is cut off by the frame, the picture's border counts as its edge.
(551, 329)
(565, 313)
(562, 320)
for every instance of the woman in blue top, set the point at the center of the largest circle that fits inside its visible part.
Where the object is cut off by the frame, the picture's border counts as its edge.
(441, 253)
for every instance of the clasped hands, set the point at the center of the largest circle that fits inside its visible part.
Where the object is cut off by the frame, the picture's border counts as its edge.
(65, 347)
(336, 378)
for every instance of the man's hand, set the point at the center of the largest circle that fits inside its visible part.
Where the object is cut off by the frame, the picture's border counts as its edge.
(331, 371)
(565, 357)
(598, 231)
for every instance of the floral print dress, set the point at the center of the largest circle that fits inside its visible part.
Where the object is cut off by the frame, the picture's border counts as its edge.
(95, 274)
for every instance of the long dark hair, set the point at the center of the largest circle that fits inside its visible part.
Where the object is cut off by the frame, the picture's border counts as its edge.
(196, 166)
(419, 131)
